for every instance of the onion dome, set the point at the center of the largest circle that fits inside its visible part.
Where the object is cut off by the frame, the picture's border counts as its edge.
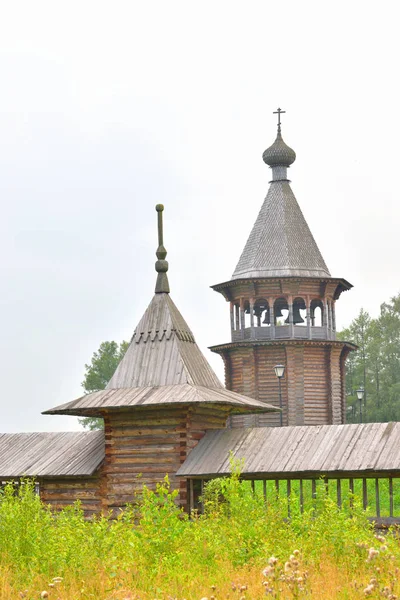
(279, 154)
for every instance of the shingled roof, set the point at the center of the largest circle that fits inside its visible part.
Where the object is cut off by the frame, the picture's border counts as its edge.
(280, 243)
(163, 352)
(163, 364)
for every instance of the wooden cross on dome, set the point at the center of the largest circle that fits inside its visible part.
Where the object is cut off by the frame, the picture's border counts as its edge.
(279, 112)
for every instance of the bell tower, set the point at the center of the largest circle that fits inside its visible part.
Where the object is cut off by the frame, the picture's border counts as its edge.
(283, 311)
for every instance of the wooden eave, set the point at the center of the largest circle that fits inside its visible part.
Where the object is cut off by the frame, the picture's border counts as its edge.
(159, 398)
(223, 288)
(251, 343)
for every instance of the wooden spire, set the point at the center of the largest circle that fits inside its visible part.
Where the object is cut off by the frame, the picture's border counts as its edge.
(162, 285)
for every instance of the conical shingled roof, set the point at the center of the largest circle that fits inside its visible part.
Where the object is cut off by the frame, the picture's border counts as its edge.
(163, 352)
(280, 243)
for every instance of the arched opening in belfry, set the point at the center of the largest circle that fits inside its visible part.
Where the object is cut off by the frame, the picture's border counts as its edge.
(281, 311)
(261, 313)
(299, 312)
(316, 313)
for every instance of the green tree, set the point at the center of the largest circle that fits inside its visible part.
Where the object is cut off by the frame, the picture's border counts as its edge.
(99, 372)
(376, 365)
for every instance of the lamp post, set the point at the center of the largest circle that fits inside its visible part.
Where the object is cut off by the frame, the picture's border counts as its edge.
(279, 372)
(360, 396)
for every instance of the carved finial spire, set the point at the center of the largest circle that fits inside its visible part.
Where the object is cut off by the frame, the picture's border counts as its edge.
(162, 285)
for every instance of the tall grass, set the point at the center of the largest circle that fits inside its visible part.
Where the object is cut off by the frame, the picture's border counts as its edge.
(240, 548)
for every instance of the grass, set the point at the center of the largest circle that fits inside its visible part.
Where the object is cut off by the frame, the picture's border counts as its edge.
(240, 548)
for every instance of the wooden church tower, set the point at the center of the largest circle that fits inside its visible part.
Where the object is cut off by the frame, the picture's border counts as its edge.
(282, 311)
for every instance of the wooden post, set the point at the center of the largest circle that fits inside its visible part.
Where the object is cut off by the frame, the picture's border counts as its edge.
(277, 488)
(314, 494)
(252, 335)
(191, 496)
(265, 490)
(339, 492)
(232, 319)
(326, 317)
(351, 489)
(390, 497)
(288, 492)
(301, 496)
(272, 317)
(242, 321)
(253, 486)
(333, 316)
(237, 315)
(291, 326)
(378, 506)
(365, 493)
(308, 317)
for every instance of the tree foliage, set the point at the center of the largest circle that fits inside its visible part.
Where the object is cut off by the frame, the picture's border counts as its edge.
(376, 365)
(99, 372)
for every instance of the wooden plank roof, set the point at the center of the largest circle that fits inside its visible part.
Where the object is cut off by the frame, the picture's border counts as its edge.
(43, 454)
(286, 451)
(153, 396)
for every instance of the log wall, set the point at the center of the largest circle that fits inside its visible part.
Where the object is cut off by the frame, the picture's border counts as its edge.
(62, 492)
(312, 388)
(145, 445)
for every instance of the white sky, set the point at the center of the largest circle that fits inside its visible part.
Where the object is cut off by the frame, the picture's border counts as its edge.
(107, 108)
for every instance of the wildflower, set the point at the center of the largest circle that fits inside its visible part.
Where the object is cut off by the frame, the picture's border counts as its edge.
(268, 571)
(44, 594)
(372, 553)
(287, 567)
(383, 548)
(272, 561)
(296, 552)
(368, 590)
(380, 538)
(243, 588)
(57, 579)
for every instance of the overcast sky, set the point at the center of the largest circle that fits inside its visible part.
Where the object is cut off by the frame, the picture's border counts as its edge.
(107, 108)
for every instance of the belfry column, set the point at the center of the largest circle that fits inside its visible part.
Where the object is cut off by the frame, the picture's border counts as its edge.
(291, 327)
(308, 317)
(251, 304)
(232, 319)
(272, 317)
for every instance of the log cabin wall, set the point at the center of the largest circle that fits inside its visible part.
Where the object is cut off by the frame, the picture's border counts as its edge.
(62, 492)
(252, 373)
(143, 446)
(312, 388)
(316, 385)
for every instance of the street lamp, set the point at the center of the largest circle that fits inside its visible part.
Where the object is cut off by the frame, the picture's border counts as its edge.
(360, 396)
(279, 372)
